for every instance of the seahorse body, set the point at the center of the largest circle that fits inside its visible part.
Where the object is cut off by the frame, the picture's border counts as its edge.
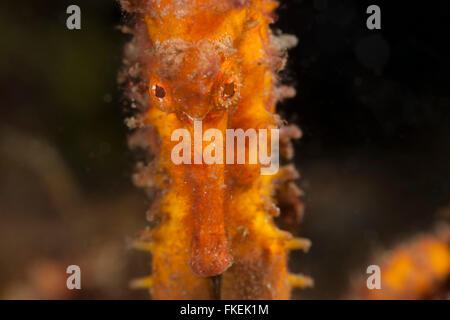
(213, 61)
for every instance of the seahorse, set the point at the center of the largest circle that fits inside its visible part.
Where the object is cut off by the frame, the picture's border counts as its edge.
(213, 233)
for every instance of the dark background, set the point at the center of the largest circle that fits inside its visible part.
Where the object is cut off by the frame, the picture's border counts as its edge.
(374, 108)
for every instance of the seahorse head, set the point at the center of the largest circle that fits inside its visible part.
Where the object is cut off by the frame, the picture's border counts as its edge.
(193, 78)
(194, 68)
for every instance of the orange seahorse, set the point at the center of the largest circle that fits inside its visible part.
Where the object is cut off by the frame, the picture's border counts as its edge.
(214, 61)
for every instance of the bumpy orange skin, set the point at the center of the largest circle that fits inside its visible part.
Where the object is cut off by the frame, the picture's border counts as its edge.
(214, 219)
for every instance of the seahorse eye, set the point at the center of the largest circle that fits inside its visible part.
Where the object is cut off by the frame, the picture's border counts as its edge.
(159, 92)
(228, 89)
